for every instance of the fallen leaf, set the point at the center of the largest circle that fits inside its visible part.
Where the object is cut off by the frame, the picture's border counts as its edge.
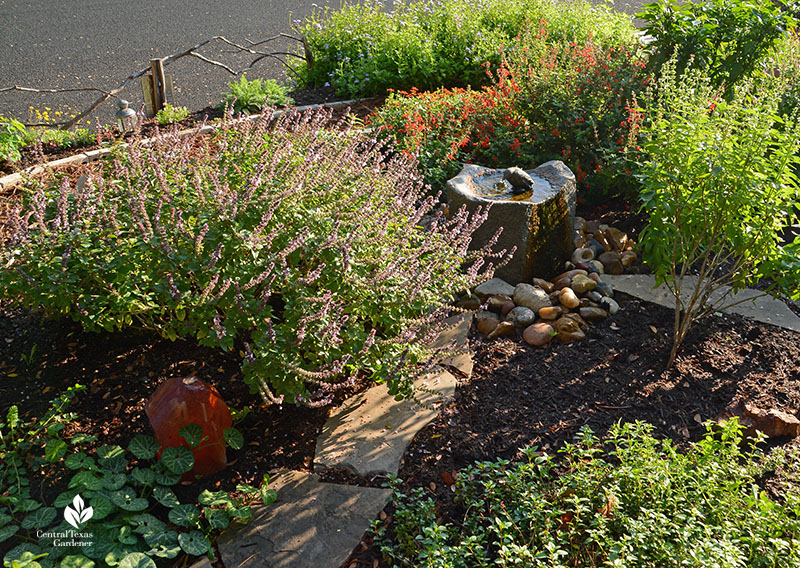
(432, 486)
(12, 375)
(447, 478)
(46, 390)
(632, 358)
(388, 426)
(375, 563)
(698, 418)
(382, 515)
(653, 329)
(615, 327)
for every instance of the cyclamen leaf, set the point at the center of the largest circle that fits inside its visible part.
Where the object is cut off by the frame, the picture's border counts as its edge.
(54, 450)
(178, 460)
(144, 447)
(166, 497)
(79, 461)
(76, 561)
(114, 481)
(194, 543)
(217, 518)
(40, 518)
(102, 507)
(147, 524)
(212, 498)
(184, 515)
(128, 500)
(108, 452)
(233, 438)
(192, 433)
(136, 560)
(144, 476)
(86, 479)
(7, 532)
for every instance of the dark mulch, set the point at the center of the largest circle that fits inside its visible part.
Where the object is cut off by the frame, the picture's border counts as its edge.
(520, 395)
(40, 359)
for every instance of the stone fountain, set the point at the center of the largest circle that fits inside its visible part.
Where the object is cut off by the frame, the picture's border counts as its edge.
(536, 210)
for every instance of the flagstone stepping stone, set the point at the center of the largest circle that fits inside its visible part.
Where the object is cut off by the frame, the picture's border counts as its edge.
(311, 525)
(458, 332)
(369, 433)
(764, 309)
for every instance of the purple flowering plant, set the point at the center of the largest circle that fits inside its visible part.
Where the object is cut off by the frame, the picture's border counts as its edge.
(298, 245)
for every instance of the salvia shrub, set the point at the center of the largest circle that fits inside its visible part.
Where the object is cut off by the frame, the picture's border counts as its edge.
(631, 501)
(365, 49)
(564, 101)
(117, 506)
(298, 246)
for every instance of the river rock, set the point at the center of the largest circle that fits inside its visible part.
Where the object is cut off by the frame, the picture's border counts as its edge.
(520, 181)
(581, 255)
(569, 274)
(494, 287)
(580, 224)
(612, 262)
(486, 322)
(568, 298)
(496, 302)
(596, 247)
(593, 314)
(582, 284)
(503, 329)
(605, 289)
(470, 302)
(579, 241)
(568, 330)
(561, 283)
(595, 296)
(610, 305)
(772, 422)
(576, 317)
(521, 316)
(592, 227)
(598, 266)
(507, 307)
(617, 239)
(595, 276)
(627, 257)
(538, 334)
(543, 284)
(530, 297)
(550, 313)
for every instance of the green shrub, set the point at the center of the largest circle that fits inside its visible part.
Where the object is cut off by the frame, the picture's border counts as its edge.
(297, 246)
(132, 515)
(363, 50)
(172, 114)
(252, 96)
(11, 139)
(640, 502)
(717, 187)
(726, 38)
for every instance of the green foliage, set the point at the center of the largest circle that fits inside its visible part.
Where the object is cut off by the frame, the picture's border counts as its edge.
(11, 139)
(301, 248)
(564, 101)
(363, 49)
(726, 38)
(717, 187)
(252, 96)
(131, 512)
(635, 502)
(172, 114)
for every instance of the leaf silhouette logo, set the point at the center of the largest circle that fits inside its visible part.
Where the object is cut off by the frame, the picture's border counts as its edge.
(78, 513)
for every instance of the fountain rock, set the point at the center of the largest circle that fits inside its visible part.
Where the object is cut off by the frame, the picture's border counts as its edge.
(539, 222)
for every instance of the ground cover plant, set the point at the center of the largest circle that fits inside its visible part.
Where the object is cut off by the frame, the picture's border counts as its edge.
(718, 186)
(365, 49)
(14, 136)
(297, 246)
(171, 114)
(119, 505)
(252, 96)
(630, 500)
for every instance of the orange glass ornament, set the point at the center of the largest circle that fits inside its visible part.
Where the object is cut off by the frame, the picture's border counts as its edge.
(180, 402)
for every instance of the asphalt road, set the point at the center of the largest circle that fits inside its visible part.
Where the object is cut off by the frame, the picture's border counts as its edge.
(95, 43)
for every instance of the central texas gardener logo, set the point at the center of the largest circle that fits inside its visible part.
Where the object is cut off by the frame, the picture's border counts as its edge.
(78, 513)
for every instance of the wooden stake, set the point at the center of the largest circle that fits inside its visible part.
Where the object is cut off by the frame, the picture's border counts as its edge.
(159, 84)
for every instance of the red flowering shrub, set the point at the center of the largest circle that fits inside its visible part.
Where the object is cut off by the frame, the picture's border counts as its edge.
(565, 101)
(445, 128)
(577, 99)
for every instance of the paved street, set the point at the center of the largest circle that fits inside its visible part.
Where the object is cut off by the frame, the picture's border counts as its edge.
(97, 43)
